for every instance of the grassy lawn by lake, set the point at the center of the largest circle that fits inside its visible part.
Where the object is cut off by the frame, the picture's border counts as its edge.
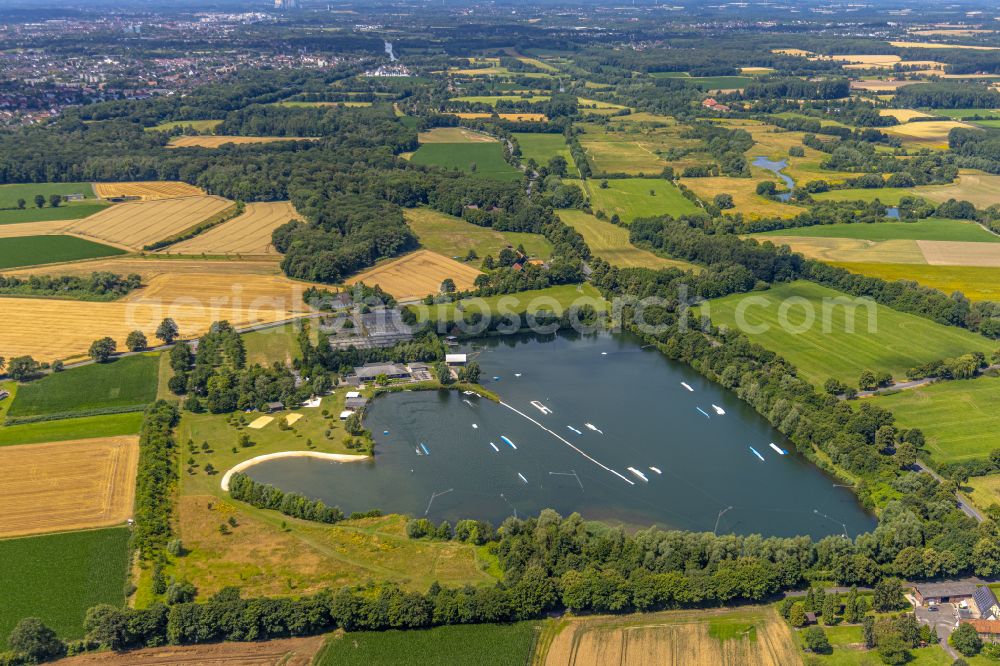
(37, 250)
(553, 298)
(837, 352)
(959, 418)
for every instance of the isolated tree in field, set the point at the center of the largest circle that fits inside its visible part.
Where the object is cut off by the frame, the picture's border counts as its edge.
(167, 331)
(489, 263)
(471, 255)
(22, 368)
(473, 166)
(867, 381)
(136, 341)
(766, 188)
(724, 201)
(21, 203)
(558, 165)
(471, 372)
(35, 641)
(443, 373)
(55, 200)
(816, 640)
(448, 286)
(868, 631)
(101, 350)
(966, 640)
(40, 200)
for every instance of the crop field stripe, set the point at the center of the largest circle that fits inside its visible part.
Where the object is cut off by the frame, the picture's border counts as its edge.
(58, 577)
(108, 425)
(63, 486)
(612, 243)
(147, 189)
(250, 233)
(978, 283)
(215, 141)
(139, 223)
(35, 250)
(418, 274)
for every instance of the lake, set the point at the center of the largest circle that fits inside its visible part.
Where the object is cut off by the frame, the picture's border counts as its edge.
(642, 417)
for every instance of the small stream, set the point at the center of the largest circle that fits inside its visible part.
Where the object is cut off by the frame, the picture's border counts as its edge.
(776, 168)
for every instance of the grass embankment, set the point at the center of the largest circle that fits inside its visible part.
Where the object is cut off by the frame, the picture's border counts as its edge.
(122, 383)
(38, 250)
(553, 299)
(882, 338)
(494, 644)
(58, 577)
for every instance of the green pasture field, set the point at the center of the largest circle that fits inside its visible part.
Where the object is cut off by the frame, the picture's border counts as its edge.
(978, 283)
(9, 194)
(58, 577)
(105, 425)
(959, 418)
(959, 114)
(123, 382)
(552, 298)
(885, 346)
(68, 211)
(543, 147)
(37, 250)
(607, 154)
(611, 243)
(454, 237)
(935, 229)
(720, 82)
(630, 198)
(670, 75)
(992, 124)
(197, 125)
(487, 156)
(494, 644)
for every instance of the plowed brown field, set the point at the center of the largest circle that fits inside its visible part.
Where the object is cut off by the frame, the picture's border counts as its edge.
(63, 486)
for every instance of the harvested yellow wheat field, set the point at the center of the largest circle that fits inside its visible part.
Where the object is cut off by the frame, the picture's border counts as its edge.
(981, 189)
(869, 60)
(63, 486)
(933, 131)
(745, 637)
(903, 115)
(33, 228)
(513, 117)
(54, 329)
(878, 86)
(939, 45)
(139, 223)
(147, 190)
(895, 251)
(216, 141)
(418, 274)
(958, 253)
(153, 265)
(257, 292)
(250, 233)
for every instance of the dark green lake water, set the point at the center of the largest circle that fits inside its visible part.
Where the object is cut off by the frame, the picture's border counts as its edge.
(647, 418)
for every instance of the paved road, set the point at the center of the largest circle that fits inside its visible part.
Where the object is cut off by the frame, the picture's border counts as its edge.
(942, 621)
(902, 386)
(963, 503)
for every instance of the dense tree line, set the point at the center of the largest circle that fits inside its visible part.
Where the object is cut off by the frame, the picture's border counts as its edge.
(265, 496)
(155, 479)
(100, 286)
(795, 88)
(948, 95)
